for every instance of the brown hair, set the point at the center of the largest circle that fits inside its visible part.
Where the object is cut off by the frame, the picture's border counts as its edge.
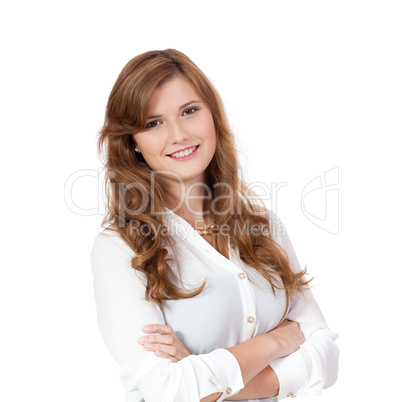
(130, 193)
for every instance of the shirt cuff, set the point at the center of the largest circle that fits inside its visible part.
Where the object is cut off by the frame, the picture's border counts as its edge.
(227, 369)
(292, 373)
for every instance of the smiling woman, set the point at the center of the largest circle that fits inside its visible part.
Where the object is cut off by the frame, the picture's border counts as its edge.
(174, 129)
(192, 303)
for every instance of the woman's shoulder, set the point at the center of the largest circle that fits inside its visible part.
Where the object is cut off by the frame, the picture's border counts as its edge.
(111, 260)
(108, 239)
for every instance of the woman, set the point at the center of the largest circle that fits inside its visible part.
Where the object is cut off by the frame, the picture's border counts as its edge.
(198, 290)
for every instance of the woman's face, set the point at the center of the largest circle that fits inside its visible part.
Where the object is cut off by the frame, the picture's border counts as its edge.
(178, 121)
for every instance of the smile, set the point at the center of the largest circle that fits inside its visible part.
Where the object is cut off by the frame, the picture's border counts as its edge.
(186, 154)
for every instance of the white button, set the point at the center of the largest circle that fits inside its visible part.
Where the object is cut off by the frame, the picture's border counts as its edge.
(250, 319)
(228, 391)
(241, 275)
(290, 395)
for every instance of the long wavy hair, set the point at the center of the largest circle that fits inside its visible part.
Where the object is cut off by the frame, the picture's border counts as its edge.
(136, 196)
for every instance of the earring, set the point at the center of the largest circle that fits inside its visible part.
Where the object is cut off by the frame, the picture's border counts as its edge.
(136, 149)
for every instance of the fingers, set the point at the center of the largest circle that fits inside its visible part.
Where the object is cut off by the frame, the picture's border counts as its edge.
(165, 356)
(162, 345)
(158, 328)
(163, 339)
(161, 350)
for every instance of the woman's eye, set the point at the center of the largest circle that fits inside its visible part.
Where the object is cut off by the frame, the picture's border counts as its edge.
(190, 110)
(153, 124)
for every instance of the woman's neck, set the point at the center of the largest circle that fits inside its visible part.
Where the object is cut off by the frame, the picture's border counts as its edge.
(187, 201)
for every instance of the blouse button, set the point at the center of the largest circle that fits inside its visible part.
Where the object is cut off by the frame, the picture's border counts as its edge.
(250, 319)
(241, 275)
(228, 390)
(290, 395)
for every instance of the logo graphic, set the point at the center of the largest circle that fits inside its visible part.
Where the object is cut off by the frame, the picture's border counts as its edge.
(320, 202)
(68, 192)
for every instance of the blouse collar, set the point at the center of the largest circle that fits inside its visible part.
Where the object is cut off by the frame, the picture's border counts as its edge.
(181, 228)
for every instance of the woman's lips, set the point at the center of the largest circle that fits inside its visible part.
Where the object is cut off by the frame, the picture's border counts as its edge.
(185, 157)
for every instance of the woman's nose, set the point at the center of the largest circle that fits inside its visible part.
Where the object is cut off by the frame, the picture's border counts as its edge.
(178, 133)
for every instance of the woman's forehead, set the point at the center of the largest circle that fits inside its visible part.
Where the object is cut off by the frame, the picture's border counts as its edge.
(176, 92)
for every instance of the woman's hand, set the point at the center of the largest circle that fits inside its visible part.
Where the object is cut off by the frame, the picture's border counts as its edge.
(288, 336)
(164, 342)
(212, 397)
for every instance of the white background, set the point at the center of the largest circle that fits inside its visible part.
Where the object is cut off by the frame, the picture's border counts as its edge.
(309, 86)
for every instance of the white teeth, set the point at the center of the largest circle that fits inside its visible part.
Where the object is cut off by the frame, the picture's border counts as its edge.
(186, 152)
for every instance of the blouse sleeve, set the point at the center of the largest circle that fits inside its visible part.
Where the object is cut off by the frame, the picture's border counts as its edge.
(314, 366)
(122, 311)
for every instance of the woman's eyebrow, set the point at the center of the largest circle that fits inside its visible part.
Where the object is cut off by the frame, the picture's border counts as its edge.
(180, 107)
(189, 103)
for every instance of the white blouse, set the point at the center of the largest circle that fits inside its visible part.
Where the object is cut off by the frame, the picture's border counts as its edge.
(231, 309)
